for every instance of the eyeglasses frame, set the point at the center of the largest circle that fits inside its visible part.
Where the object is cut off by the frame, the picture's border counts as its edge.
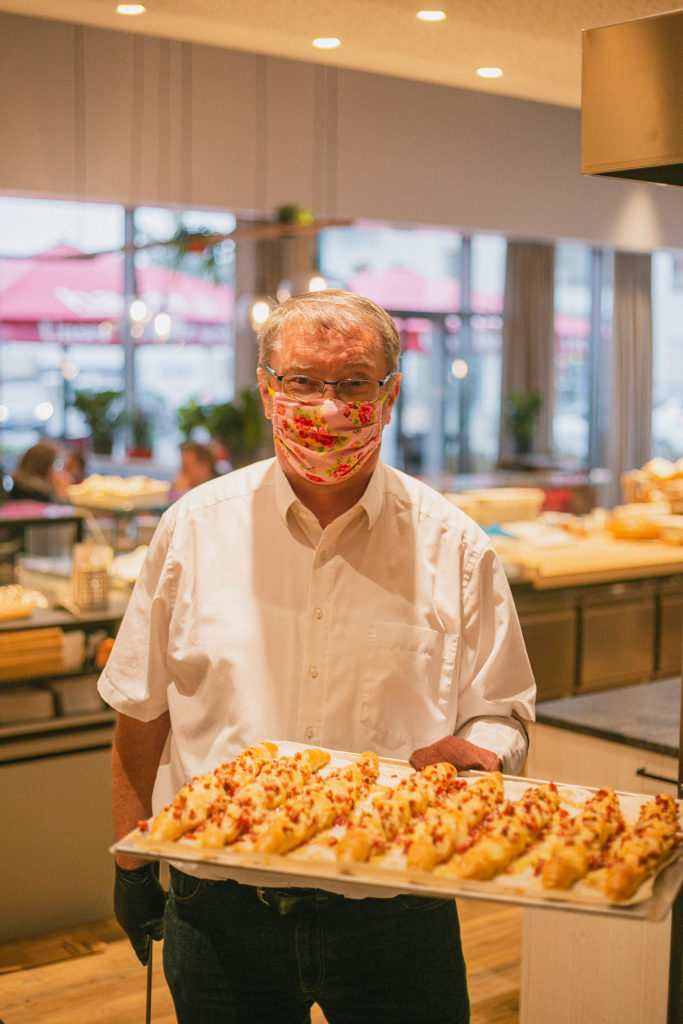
(279, 377)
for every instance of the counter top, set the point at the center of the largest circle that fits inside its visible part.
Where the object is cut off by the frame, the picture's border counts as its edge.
(645, 715)
(597, 558)
(31, 513)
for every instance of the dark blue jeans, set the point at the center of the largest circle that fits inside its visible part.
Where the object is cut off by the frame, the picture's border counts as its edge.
(237, 955)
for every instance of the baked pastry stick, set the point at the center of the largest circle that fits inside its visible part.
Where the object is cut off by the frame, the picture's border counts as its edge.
(446, 824)
(585, 836)
(320, 803)
(190, 806)
(390, 811)
(276, 780)
(515, 826)
(642, 848)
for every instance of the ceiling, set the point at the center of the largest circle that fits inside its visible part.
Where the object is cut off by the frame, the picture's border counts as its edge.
(537, 43)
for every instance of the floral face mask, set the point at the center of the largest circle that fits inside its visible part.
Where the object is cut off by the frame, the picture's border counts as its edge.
(326, 442)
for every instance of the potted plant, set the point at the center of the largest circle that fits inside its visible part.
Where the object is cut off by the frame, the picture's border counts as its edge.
(100, 413)
(141, 435)
(291, 214)
(522, 410)
(238, 426)
(191, 417)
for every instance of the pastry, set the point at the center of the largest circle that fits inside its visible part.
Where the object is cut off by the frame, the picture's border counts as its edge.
(641, 849)
(190, 807)
(580, 846)
(320, 803)
(233, 815)
(513, 828)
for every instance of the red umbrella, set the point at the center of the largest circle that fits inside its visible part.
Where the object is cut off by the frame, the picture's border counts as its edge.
(69, 301)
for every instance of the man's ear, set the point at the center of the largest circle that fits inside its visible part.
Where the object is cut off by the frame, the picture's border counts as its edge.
(392, 395)
(266, 394)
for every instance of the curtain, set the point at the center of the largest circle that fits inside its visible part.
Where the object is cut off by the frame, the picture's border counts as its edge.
(629, 439)
(528, 335)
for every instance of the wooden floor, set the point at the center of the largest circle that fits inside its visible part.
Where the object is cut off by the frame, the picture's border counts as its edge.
(109, 987)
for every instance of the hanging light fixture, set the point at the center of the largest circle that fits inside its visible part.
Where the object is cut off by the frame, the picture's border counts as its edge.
(260, 311)
(162, 326)
(252, 311)
(137, 311)
(298, 284)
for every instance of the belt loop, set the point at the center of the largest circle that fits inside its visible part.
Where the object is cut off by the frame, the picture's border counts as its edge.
(261, 895)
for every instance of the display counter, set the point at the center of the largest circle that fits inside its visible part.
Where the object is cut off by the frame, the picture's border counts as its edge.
(597, 558)
(627, 738)
(565, 489)
(55, 753)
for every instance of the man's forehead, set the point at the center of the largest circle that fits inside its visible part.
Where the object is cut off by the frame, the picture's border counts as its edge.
(315, 334)
(357, 342)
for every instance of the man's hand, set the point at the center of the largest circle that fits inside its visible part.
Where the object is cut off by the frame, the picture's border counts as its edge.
(139, 902)
(458, 752)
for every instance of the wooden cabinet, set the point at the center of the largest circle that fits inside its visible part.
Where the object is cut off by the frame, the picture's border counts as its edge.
(669, 638)
(617, 629)
(608, 634)
(55, 864)
(550, 626)
(55, 786)
(63, 710)
(568, 756)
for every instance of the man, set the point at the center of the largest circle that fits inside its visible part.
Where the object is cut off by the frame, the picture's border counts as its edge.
(197, 466)
(324, 598)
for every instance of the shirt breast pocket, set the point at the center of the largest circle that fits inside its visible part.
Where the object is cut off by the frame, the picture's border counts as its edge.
(406, 681)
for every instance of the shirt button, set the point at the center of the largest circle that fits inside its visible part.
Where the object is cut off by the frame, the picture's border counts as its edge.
(313, 672)
(318, 613)
(309, 733)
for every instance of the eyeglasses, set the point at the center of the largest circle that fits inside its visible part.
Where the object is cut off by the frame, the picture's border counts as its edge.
(352, 389)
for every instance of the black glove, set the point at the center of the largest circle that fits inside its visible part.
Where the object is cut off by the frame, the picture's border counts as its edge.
(139, 902)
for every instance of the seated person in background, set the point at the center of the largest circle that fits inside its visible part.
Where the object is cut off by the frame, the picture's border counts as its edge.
(35, 477)
(196, 466)
(74, 467)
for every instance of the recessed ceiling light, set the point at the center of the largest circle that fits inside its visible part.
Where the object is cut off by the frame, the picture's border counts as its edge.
(327, 42)
(130, 9)
(431, 15)
(489, 72)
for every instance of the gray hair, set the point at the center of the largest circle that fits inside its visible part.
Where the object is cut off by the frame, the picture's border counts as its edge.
(330, 310)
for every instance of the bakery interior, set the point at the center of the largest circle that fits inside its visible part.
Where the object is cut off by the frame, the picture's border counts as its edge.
(164, 179)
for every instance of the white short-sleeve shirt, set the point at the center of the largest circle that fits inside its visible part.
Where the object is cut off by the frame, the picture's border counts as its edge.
(390, 628)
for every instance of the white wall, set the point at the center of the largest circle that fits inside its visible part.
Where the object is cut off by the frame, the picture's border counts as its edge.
(91, 113)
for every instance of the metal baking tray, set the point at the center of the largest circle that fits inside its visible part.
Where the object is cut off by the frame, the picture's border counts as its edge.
(315, 866)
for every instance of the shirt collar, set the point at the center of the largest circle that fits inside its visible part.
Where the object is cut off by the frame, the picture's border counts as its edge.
(370, 502)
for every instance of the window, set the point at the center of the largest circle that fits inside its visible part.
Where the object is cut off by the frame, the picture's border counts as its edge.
(445, 293)
(58, 316)
(183, 339)
(573, 313)
(65, 326)
(667, 396)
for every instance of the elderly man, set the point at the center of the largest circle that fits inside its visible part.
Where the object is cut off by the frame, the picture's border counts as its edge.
(325, 598)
